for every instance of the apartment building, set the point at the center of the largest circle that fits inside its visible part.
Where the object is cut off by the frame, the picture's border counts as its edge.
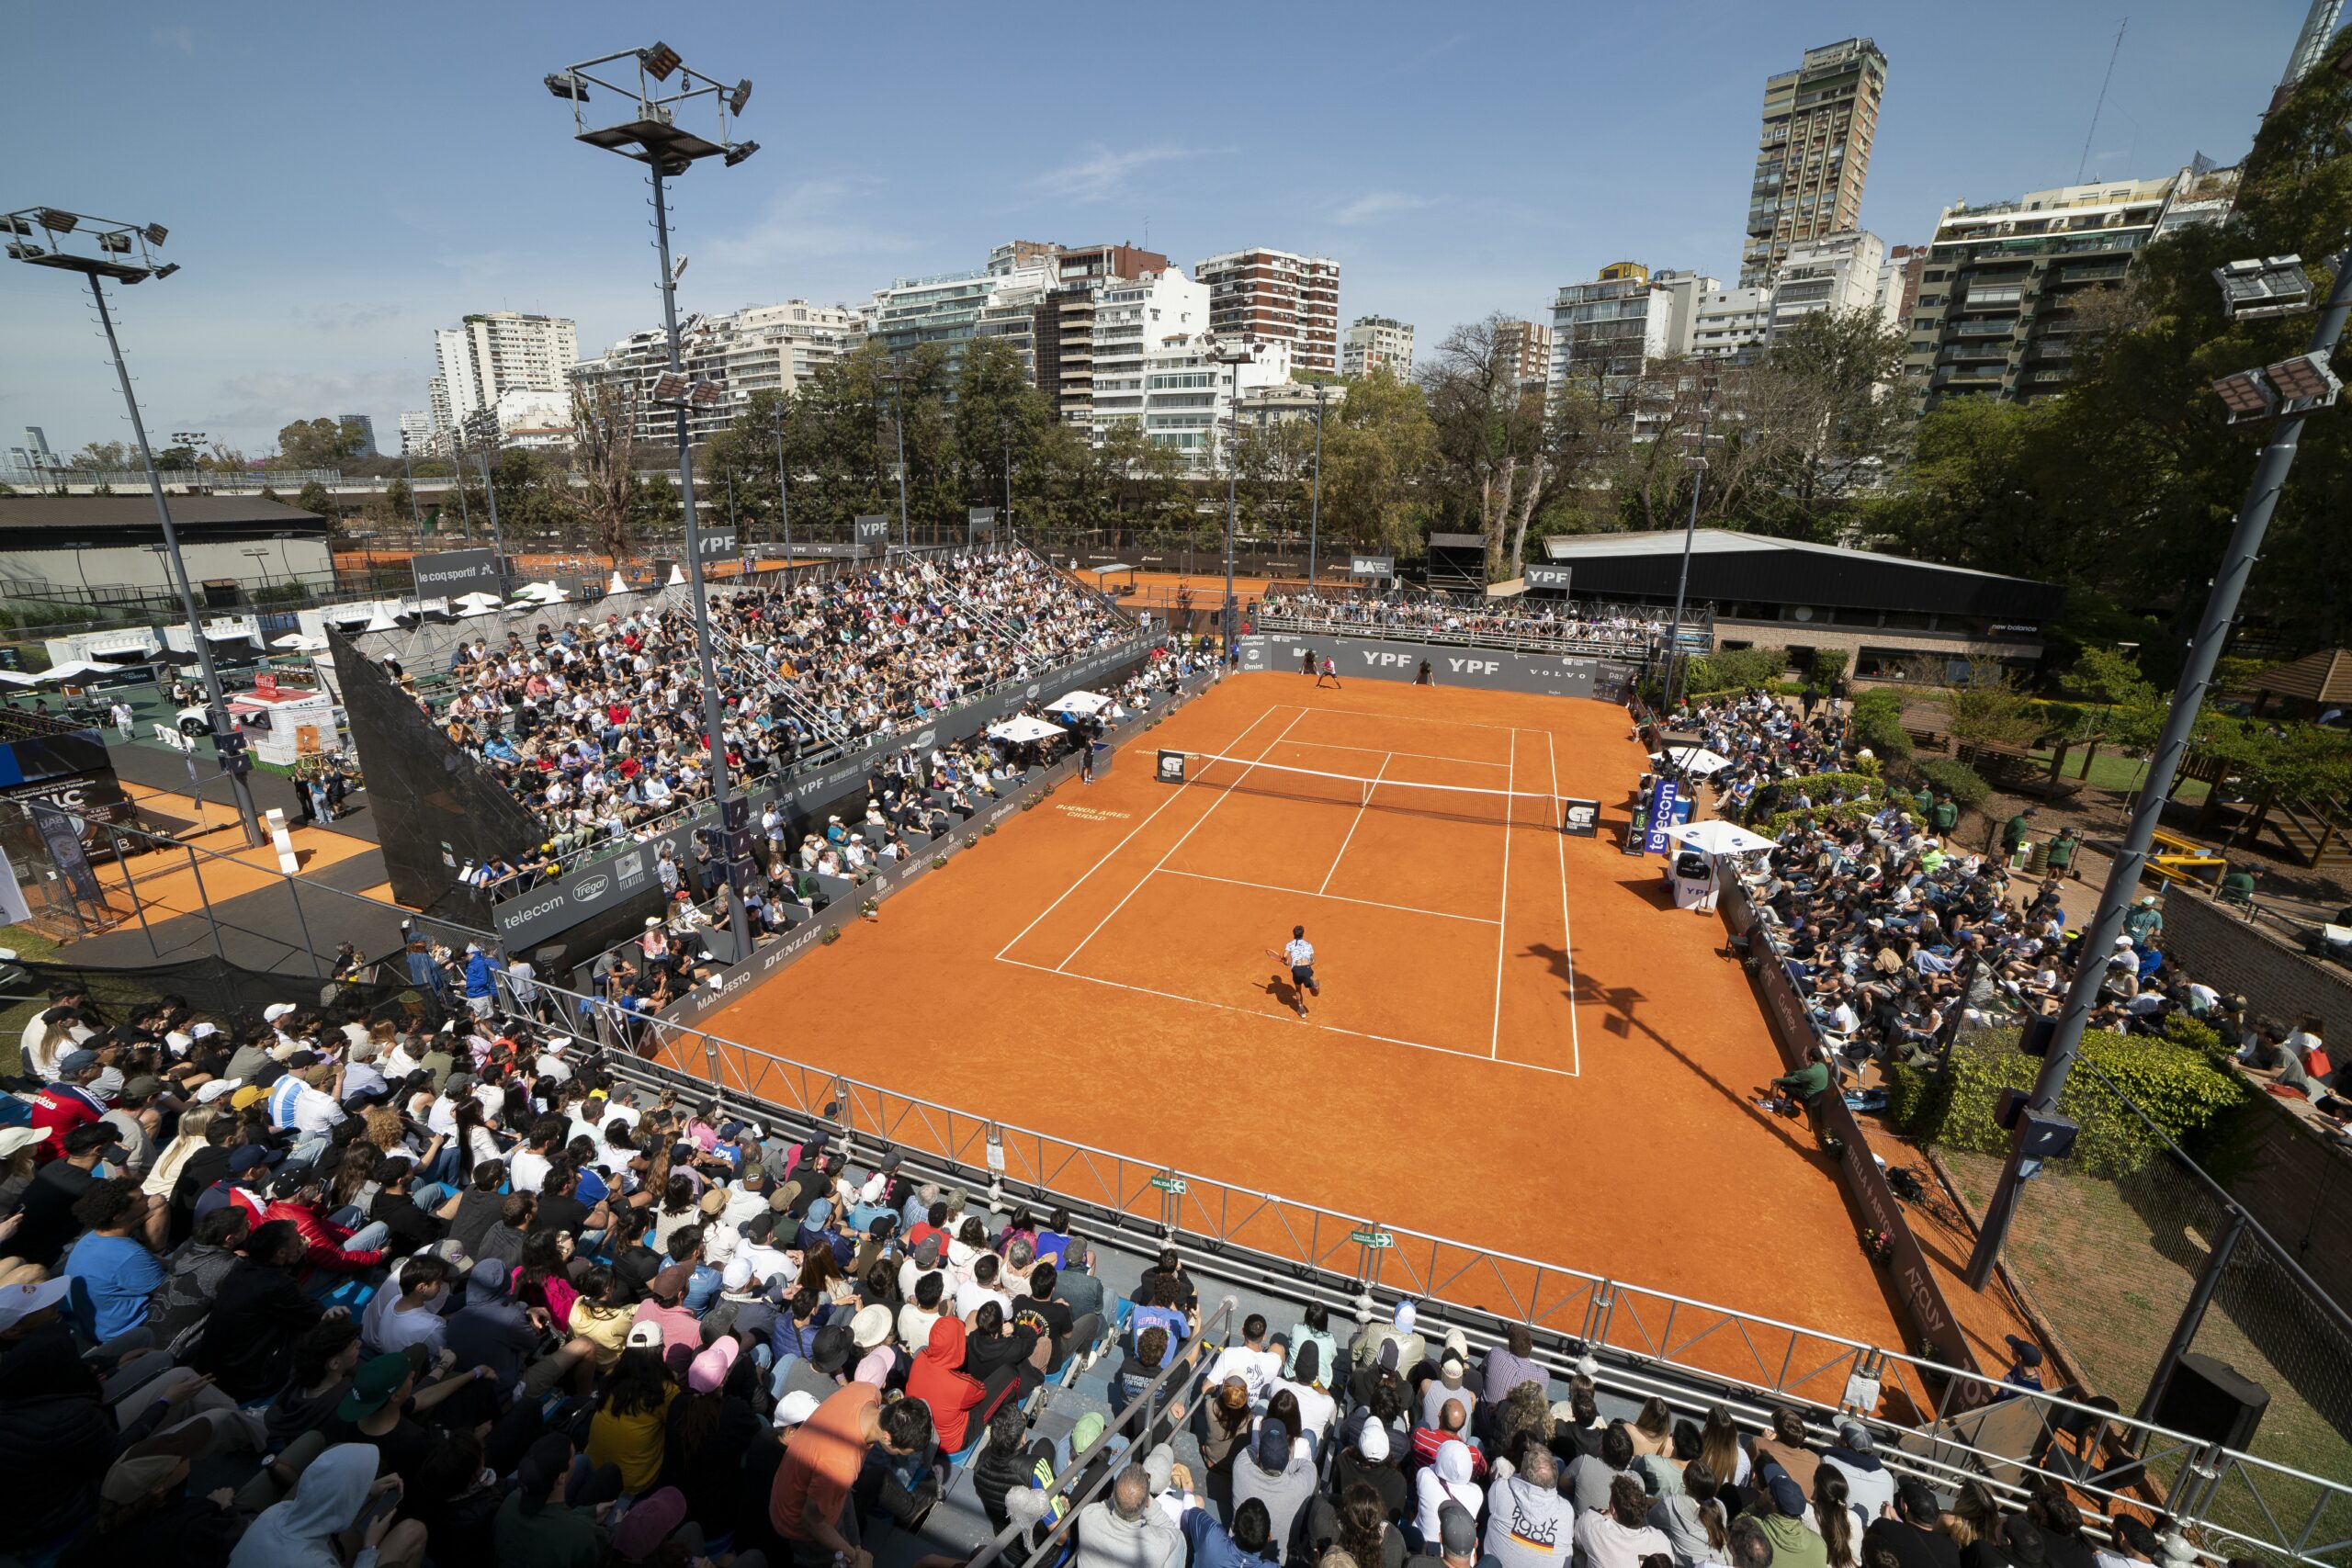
(761, 348)
(1266, 296)
(417, 434)
(1526, 348)
(366, 431)
(1996, 312)
(1898, 282)
(1375, 341)
(500, 350)
(1607, 333)
(1812, 153)
(1835, 272)
(1732, 324)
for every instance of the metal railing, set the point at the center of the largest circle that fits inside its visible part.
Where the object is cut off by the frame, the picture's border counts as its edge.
(1440, 637)
(1941, 1428)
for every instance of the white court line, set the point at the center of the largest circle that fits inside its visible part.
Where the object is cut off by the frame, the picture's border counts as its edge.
(1334, 898)
(1173, 797)
(1567, 948)
(1358, 820)
(1221, 797)
(1253, 1013)
(1376, 751)
(1511, 783)
(1415, 718)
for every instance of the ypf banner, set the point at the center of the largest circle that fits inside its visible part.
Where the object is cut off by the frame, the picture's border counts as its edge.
(873, 532)
(455, 573)
(1553, 579)
(714, 544)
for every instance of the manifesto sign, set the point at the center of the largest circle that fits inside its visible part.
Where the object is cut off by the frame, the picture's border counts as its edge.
(455, 573)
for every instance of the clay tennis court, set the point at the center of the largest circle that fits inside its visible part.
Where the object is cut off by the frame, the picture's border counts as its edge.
(1519, 1044)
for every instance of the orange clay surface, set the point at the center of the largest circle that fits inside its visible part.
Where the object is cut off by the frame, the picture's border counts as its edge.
(1518, 1043)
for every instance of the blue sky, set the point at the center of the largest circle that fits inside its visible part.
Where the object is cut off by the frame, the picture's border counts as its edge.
(338, 180)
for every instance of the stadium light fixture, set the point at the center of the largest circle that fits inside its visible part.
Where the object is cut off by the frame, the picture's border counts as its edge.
(156, 233)
(120, 250)
(2246, 394)
(651, 130)
(705, 394)
(2259, 287)
(2306, 378)
(167, 269)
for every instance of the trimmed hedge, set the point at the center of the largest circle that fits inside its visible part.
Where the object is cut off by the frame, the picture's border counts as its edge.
(1864, 793)
(2177, 1087)
(1829, 663)
(1968, 788)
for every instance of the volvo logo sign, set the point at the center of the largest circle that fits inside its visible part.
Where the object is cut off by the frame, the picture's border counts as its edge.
(591, 888)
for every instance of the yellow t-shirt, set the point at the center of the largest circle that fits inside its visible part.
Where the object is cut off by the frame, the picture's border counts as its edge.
(604, 1327)
(633, 1442)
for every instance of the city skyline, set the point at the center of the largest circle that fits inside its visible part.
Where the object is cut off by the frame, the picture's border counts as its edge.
(318, 299)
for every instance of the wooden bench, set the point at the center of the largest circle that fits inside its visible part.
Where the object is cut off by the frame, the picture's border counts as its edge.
(2176, 858)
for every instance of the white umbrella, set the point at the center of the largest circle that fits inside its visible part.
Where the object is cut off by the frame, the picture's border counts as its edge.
(300, 642)
(1021, 728)
(1697, 762)
(1080, 702)
(1717, 837)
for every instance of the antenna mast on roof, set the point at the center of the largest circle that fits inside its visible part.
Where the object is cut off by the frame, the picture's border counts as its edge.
(2101, 103)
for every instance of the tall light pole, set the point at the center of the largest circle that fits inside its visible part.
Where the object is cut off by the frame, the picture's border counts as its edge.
(1698, 462)
(191, 440)
(1314, 506)
(408, 475)
(898, 379)
(651, 135)
(1232, 354)
(2288, 390)
(783, 492)
(482, 426)
(125, 252)
(1008, 479)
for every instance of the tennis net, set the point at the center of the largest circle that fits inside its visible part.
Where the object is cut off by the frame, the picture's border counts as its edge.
(1444, 802)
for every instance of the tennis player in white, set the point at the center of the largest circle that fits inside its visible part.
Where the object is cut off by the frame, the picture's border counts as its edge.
(1299, 954)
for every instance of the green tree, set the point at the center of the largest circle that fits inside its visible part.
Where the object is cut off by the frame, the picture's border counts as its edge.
(101, 456)
(1497, 448)
(319, 444)
(997, 413)
(1379, 446)
(314, 497)
(1828, 383)
(604, 418)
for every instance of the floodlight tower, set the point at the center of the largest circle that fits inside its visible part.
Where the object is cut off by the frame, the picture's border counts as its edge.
(52, 237)
(649, 131)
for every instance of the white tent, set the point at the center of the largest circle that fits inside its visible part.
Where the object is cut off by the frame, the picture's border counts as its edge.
(677, 575)
(616, 585)
(11, 677)
(479, 601)
(300, 643)
(77, 670)
(1021, 728)
(1079, 702)
(1717, 837)
(1696, 760)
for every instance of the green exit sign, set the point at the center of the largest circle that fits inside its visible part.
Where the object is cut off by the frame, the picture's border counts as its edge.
(1169, 1183)
(1371, 1239)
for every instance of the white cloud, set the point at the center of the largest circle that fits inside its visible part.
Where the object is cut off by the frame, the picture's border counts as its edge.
(1375, 205)
(1102, 174)
(810, 221)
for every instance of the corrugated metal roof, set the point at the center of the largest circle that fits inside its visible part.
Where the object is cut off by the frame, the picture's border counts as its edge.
(2321, 677)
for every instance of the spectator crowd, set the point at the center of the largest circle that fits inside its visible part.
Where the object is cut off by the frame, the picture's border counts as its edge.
(1519, 622)
(599, 728)
(331, 1291)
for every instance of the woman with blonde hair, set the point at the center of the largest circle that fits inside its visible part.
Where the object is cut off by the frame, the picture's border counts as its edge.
(164, 1174)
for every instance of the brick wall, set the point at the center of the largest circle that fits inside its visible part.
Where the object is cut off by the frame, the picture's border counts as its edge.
(2297, 1184)
(2233, 954)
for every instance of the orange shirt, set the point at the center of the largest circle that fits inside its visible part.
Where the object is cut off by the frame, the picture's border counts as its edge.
(821, 1462)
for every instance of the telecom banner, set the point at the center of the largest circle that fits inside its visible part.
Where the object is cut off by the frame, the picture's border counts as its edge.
(1661, 817)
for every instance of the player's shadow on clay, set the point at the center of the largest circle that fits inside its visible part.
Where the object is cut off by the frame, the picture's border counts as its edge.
(1283, 990)
(1625, 1023)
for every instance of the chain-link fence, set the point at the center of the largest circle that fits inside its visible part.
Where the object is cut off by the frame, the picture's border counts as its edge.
(2133, 1270)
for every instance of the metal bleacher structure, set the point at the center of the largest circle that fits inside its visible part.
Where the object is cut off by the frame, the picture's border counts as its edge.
(1267, 1253)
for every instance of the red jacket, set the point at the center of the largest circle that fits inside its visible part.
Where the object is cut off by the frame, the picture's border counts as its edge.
(324, 1241)
(57, 1111)
(938, 1379)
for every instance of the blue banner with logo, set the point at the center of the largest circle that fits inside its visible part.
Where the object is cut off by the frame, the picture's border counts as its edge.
(1661, 817)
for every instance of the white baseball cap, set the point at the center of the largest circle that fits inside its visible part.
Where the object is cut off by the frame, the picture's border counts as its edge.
(19, 1303)
(275, 1010)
